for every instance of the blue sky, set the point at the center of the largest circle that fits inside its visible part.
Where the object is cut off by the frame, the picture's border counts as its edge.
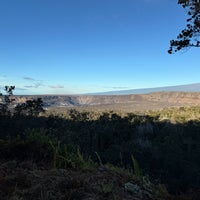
(83, 46)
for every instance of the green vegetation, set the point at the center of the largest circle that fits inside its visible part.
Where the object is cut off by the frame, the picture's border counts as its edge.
(189, 37)
(29, 108)
(136, 167)
(166, 143)
(163, 144)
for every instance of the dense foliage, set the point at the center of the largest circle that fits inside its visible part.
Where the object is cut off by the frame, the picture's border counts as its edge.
(7, 106)
(165, 143)
(6, 100)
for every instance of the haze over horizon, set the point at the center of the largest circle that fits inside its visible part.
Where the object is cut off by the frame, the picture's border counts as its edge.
(77, 47)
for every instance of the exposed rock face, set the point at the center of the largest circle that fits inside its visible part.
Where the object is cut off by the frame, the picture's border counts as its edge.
(132, 102)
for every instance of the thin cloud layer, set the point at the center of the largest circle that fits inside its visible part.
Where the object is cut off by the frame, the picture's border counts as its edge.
(120, 87)
(28, 78)
(56, 86)
(116, 87)
(36, 85)
(3, 77)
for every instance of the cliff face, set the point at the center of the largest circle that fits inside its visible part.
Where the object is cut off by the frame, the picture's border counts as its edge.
(137, 101)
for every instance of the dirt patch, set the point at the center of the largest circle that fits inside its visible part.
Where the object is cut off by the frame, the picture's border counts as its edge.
(23, 180)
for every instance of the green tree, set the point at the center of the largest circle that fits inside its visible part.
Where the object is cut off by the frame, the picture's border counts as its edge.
(189, 37)
(6, 100)
(30, 107)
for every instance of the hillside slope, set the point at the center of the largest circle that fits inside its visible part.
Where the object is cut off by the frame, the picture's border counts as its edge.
(134, 102)
(195, 87)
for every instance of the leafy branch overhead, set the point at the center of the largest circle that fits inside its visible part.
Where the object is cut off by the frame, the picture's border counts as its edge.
(189, 37)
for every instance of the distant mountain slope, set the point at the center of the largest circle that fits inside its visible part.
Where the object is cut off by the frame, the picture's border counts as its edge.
(195, 87)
